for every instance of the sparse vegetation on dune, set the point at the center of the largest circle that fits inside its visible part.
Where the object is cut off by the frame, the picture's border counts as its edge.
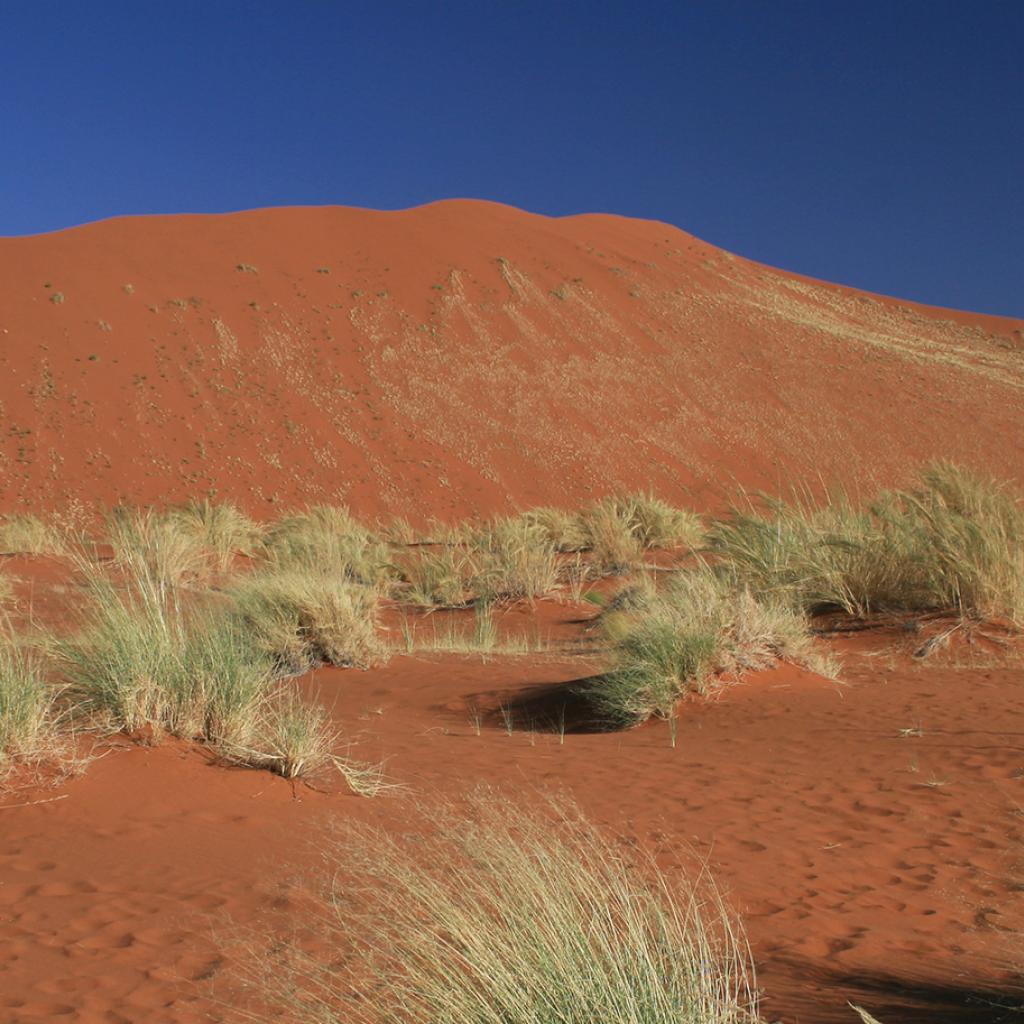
(159, 649)
(545, 920)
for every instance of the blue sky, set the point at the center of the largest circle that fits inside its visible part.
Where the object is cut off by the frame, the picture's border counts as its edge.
(876, 144)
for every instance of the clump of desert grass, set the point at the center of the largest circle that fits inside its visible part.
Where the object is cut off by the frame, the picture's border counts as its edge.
(440, 578)
(620, 529)
(150, 660)
(504, 913)
(158, 545)
(29, 535)
(29, 713)
(515, 560)
(565, 531)
(503, 560)
(667, 644)
(143, 657)
(301, 618)
(220, 528)
(288, 735)
(327, 538)
(953, 542)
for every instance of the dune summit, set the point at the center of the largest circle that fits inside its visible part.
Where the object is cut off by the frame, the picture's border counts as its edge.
(466, 357)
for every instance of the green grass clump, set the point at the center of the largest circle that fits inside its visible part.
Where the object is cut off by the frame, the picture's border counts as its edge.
(143, 658)
(29, 535)
(326, 538)
(953, 542)
(303, 618)
(510, 915)
(668, 644)
(28, 717)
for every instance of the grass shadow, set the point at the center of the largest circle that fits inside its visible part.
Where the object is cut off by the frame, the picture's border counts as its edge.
(562, 707)
(895, 998)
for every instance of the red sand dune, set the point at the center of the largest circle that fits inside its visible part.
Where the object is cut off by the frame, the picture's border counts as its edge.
(465, 357)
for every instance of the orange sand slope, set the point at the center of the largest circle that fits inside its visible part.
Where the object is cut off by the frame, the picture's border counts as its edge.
(465, 357)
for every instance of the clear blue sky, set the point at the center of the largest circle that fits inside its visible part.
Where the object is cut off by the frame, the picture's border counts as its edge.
(876, 144)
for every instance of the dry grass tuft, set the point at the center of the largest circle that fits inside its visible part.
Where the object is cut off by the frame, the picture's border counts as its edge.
(512, 915)
(327, 539)
(29, 535)
(515, 560)
(220, 529)
(288, 735)
(143, 658)
(954, 542)
(302, 618)
(668, 644)
(29, 717)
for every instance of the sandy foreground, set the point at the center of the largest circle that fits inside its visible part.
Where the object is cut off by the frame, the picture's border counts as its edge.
(868, 863)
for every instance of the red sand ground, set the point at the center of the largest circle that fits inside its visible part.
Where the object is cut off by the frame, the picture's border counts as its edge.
(857, 875)
(463, 357)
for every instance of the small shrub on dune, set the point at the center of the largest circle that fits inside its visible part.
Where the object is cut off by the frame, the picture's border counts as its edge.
(221, 529)
(514, 915)
(29, 535)
(678, 641)
(326, 538)
(28, 716)
(301, 619)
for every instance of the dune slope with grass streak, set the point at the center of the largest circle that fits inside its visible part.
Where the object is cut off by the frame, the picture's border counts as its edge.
(466, 357)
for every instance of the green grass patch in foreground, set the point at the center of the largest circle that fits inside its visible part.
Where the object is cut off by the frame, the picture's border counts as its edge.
(510, 915)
